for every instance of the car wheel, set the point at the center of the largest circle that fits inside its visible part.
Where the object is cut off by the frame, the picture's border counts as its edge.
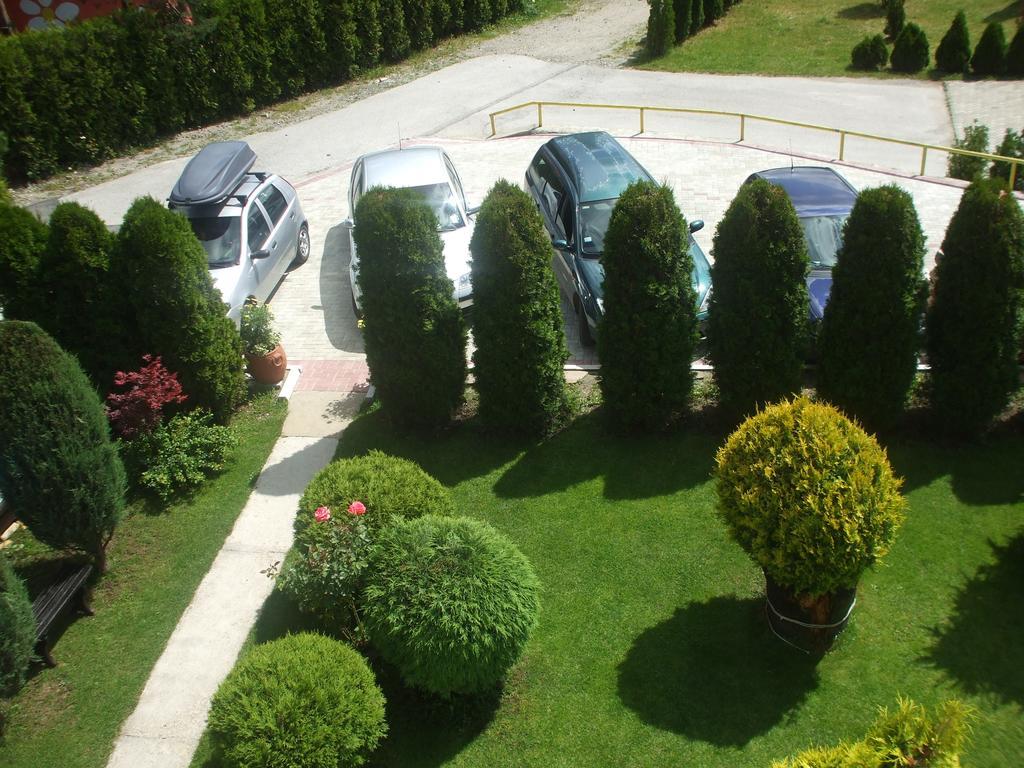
(303, 247)
(586, 337)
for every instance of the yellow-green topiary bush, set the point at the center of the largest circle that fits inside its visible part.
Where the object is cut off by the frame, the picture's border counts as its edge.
(809, 495)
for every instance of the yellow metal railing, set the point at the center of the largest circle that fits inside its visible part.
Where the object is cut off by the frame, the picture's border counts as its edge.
(743, 118)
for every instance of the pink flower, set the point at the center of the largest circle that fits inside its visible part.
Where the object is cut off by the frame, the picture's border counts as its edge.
(322, 514)
(357, 508)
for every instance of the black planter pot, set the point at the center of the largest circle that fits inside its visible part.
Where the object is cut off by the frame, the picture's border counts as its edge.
(811, 627)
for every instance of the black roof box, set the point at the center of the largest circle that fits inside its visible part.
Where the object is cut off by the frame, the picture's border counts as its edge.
(213, 174)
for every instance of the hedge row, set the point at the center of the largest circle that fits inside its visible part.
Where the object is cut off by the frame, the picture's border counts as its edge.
(672, 21)
(84, 93)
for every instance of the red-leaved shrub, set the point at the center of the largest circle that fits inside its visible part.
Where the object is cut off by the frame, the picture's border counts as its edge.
(139, 408)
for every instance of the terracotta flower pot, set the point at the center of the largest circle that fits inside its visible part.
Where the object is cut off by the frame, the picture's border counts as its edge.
(268, 369)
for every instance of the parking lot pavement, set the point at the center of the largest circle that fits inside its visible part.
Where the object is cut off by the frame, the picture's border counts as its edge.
(313, 305)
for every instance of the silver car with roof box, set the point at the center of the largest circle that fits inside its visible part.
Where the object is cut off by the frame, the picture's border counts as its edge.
(430, 172)
(249, 222)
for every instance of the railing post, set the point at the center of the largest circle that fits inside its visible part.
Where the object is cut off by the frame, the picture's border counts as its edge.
(1013, 175)
(924, 158)
(493, 129)
(540, 115)
(641, 119)
(743, 127)
(842, 144)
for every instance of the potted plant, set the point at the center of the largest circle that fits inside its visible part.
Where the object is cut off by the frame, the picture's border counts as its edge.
(812, 499)
(262, 344)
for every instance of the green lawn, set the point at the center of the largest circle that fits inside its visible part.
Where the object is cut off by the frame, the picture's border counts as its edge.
(653, 649)
(68, 717)
(797, 37)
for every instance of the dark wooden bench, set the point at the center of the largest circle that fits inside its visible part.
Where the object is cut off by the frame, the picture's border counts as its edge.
(72, 580)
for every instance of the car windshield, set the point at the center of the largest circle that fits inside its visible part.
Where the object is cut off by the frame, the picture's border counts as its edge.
(824, 235)
(221, 238)
(594, 219)
(442, 202)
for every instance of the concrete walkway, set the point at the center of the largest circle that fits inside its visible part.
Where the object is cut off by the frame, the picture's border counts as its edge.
(170, 718)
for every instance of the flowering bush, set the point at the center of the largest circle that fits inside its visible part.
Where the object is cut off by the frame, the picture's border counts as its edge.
(139, 408)
(326, 575)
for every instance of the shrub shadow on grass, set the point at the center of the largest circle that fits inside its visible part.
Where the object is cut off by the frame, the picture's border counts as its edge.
(862, 11)
(714, 672)
(1011, 11)
(632, 467)
(981, 646)
(981, 474)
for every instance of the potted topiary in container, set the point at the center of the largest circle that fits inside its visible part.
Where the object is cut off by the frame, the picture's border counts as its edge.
(812, 499)
(261, 343)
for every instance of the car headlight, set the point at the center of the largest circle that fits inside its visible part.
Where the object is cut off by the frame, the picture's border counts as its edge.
(600, 305)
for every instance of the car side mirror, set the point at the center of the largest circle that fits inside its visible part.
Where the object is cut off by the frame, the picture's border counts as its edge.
(260, 254)
(560, 244)
(696, 225)
(348, 224)
(473, 210)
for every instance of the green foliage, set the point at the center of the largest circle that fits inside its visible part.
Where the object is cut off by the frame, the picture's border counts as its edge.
(808, 495)
(696, 16)
(258, 334)
(450, 602)
(910, 52)
(415, 335)
(1011, 146)
(681, 13)
(387, 485)
(5, 193)
(17, 630)
(870, 332)
(954, 52)
(713, 11)
(22, 243)
(989, 59)
(973, 323)
(59, 471)
(517, 318)
(895, 18)
(910, 736)
(649, 330)
(661, 28)
(757, 318)
(179, 455)
(870, 54)
(1015, 54)
(964, 166)
(303, 700)
(179, 314)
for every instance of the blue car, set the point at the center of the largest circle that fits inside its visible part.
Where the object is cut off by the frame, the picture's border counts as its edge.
(823, 200)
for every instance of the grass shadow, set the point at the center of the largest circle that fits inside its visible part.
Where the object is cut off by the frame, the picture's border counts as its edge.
(980, 647)
(862, 11)
(632, 467)
(1011, 11)
(981, 474)
(714, 672)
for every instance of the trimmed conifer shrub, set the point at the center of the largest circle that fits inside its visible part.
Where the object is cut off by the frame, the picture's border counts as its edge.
(989, 59)
(450, 602)
(1015, 54)
(303, 700)
(22, 243)
(415, 335)
(954, 52)
(59, 471)
(661, 28)
(517, 317)
(966, 167)
(682, 10)
(757, 318)
(870, 332)
(696, 16)
(647, 335)
(713, 11)
(1011, 146)
(179, 315)
(17, 629)
(870, 54)
(973, 323)
(910, 52)
(895, 18)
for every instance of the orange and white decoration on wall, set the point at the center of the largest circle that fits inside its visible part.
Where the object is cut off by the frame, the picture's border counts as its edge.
(23, 15)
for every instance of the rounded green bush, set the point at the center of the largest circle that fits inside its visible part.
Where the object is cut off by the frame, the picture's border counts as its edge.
(1015, 54)
(870, 54)
(808, 495)
(989, 59)
(17, 629)
(954, 51)
(682, 11)
(450, 602)
(895, 18)
(910, 51)
(22, 244)
(304, 700)
(661, 28)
